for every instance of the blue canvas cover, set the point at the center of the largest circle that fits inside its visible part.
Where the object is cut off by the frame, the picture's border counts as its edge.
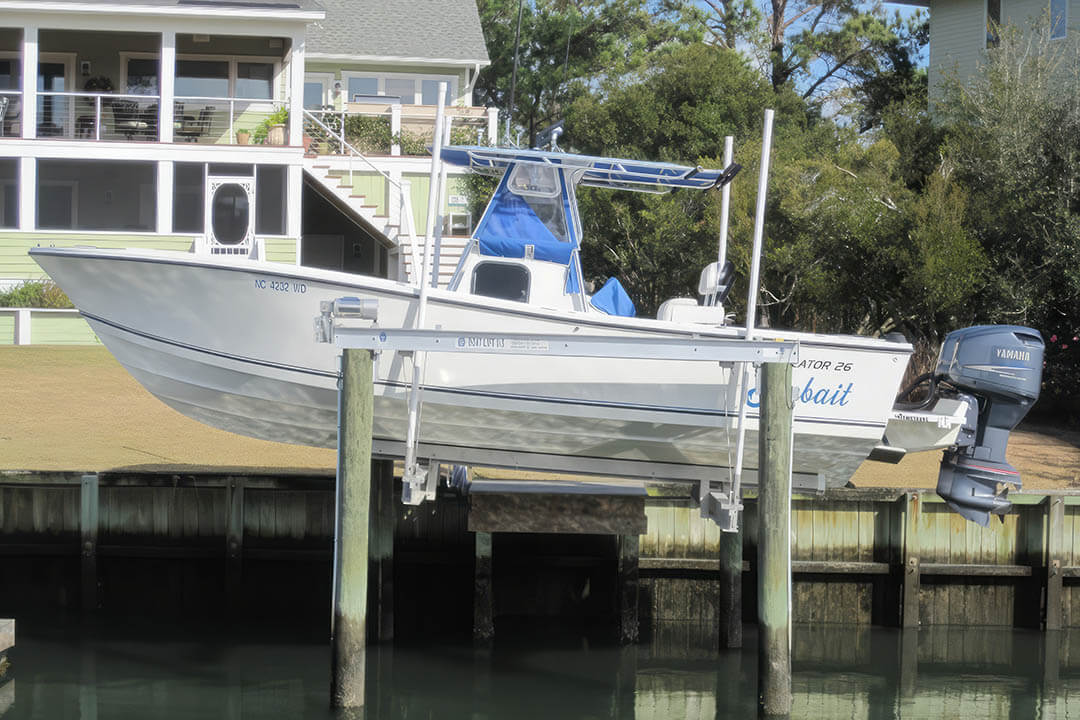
(510, 224)
(613, 300)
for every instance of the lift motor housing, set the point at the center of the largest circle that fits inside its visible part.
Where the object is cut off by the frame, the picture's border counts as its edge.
(1000, 366)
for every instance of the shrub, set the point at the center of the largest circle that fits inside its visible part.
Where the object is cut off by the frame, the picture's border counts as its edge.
(36, 294)
(368, 134)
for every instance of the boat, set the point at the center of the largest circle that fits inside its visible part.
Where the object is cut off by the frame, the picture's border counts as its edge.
(226, 340)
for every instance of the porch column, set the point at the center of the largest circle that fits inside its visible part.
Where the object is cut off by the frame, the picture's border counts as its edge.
(29, 82)
(27, 194)
(296, 96)
(165, 194)
(493, 126)
(167, 73)
(295, 209)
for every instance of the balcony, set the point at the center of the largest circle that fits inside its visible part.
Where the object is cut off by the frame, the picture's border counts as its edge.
(384, 127)
(108, 86)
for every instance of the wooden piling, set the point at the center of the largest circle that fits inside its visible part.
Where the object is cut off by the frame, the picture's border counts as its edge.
(910, 572)
(88, 525)
(483, 595)
(349, 620)
(234, 540)
(731, 552)
(1055, 523)
(774, 541)
(627, 584)
(383, 519)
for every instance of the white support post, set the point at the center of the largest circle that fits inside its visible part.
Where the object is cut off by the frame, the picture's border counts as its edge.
(493, 126)
(27, 194)
(395, 129)
(296, 96)
(22, 326)
(167, 72)
(294, 216)
(29, 81)
(165, 169)
(393, 200)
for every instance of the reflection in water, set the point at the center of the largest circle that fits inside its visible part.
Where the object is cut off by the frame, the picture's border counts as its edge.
(128, 671)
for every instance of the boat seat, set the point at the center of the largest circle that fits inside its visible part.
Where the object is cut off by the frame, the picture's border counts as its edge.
(715, 282)
(687, 310)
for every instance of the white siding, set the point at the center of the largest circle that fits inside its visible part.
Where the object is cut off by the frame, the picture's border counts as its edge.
(957, 39)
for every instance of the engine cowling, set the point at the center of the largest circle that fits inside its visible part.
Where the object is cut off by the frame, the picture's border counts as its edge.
(1001, 367)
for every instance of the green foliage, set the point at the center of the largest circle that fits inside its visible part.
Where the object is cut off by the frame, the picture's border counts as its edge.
(565, 48)
(278, 117)
(368, 134)
(35, 294)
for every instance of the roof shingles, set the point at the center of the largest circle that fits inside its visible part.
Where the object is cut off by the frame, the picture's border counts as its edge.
(432, 29)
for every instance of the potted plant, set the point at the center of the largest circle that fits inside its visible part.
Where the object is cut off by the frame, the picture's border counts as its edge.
(272, 129)
(243, 137)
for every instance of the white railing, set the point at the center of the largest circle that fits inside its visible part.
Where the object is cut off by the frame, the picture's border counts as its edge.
(97, 116)
(230, 121)
(335, 143)
(10, 113)
(395, 129)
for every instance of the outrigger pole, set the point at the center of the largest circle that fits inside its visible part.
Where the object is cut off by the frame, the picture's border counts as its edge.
(734, 500)
(418, 485)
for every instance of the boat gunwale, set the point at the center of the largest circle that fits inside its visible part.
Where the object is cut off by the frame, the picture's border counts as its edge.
(442, 296)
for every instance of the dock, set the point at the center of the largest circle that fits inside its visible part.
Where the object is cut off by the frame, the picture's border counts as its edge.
(872, 556)
(7, 636)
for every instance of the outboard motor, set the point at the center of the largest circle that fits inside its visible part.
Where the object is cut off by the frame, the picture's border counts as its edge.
(1001, 366)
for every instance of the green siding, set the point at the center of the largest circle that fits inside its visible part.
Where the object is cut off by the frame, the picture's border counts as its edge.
(419, 197)
(15, 263)
(282, 250)
(373, 188)
(54, 329)
(7, 328)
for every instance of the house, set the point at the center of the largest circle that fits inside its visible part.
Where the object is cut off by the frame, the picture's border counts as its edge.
(182, 124)
(962, 30)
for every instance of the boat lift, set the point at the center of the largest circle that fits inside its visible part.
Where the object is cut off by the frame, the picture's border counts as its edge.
(720, 500)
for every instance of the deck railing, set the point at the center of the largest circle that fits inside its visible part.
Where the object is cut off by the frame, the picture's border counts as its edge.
(97, 116)
(385, 128)
(10, 113)
(229, 121)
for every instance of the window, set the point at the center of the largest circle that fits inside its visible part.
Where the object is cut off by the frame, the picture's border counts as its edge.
(189, 190)
(313, 95)
(539, 187)
(255, 80)
(10, 75)
(96, 195)
(142, 76)
(270, 199)
(430, 92)
(404, 89)
(202, 78)
(507, 281)
(9, 193)
(361, 86)
(410, 89)
(231, 214)
(993, 22)
(1059, 18)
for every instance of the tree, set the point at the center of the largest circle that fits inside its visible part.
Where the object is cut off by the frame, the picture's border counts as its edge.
(567, 47)
(815, 46)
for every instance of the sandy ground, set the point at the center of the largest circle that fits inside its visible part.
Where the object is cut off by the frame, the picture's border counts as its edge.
(75, 408)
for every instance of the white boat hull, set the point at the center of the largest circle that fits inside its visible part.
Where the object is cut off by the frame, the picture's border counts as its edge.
(230, 343)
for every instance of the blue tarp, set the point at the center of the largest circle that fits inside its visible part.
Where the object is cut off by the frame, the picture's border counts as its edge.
(613, 300)
(510, 224)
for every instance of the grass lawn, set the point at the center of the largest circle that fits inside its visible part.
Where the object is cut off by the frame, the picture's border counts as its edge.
(76, 408)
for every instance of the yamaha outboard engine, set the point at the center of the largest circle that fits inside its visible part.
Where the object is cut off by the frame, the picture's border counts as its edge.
(1001, 366)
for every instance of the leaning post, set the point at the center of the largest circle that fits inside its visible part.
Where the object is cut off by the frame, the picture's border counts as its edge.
(351, 528)
(774, 540)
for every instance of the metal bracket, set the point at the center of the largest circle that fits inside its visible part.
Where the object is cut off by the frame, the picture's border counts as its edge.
(419, 483)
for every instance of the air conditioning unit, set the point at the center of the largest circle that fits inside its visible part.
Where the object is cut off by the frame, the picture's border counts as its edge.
(458, 223)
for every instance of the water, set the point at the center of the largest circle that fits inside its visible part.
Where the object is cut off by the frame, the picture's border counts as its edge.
(142, 669)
